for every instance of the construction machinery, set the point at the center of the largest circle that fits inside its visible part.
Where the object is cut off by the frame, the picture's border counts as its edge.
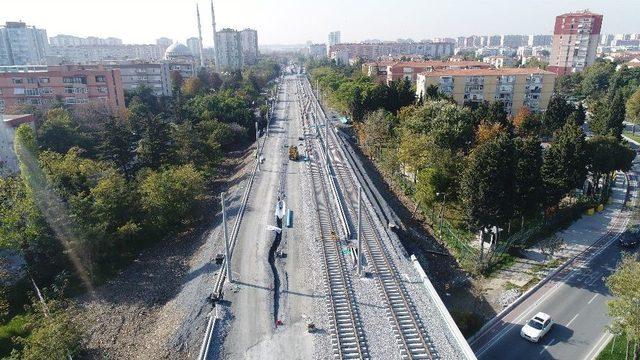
(293, 153)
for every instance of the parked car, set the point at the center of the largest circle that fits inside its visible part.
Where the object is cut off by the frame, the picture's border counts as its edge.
(630, 237)
(537, 327)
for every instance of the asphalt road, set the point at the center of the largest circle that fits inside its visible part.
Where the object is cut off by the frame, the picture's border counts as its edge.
(576, 298)
(253, 333)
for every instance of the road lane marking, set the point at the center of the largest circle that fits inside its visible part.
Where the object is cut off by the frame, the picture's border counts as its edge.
(549, 293)
(569, 323)
(600, 344)
(593, 298)
(546, 346)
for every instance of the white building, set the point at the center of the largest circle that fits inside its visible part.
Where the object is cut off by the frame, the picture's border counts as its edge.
(249, 39)
(317, 51)
(84, 54)
(22, 45)
(334, 38)
(193, 43)
(228, 50)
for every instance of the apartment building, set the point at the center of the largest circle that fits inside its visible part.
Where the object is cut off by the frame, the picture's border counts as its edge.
(193, 43)
(374, 51)
(575, 41)
(42, 86)
(70, 40)
(317, 51)
(228, 50)
(515, 87)
(84, 54)
(334, 38)
(249, 39)
(499, 61)
(22, 45)
(388, 71)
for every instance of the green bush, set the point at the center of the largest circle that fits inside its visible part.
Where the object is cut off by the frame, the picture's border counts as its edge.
(16, 327)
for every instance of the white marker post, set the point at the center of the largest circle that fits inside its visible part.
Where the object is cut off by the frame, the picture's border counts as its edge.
(227, 254)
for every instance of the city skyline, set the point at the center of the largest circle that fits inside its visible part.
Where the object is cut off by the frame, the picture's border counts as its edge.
(352, 20)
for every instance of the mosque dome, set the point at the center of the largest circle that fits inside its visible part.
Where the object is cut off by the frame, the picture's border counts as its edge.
(177, 50)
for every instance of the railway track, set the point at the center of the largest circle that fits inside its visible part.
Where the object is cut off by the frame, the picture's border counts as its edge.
(348, 341)
(410, 333)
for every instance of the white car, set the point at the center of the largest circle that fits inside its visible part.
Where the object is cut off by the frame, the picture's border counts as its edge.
(537, 327)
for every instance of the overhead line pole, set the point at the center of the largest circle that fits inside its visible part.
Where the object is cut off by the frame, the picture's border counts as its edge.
(227, 254)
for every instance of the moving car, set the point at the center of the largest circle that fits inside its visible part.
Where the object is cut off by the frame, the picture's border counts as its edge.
(537, 327)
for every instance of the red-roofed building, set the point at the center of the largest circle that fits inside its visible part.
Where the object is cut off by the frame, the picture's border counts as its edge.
(575, 41)
(515, 87)
(388, 71)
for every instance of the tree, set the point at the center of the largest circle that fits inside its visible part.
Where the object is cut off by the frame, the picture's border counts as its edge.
(377, 128)
(617, 116)
(564, 165)
(529, 189)
(154, 148)
(53, 337)
(59, 132)
(624, 309)
(169, 195)
(486, 132)
(432, 92)
(527, 123)
(605, 155)
(579, 116)
(596, 78)
(449, 125)
(488, 183)
(492, 113)
(192, 86)
(608, 119)
(633, 109)
(557, 113)
(117, 146)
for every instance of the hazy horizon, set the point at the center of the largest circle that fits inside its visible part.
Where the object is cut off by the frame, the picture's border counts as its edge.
(286, 22)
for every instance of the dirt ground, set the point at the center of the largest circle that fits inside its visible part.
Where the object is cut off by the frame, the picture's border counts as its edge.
(157, 306)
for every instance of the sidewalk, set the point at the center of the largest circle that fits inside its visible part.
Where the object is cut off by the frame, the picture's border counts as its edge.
(508, 284)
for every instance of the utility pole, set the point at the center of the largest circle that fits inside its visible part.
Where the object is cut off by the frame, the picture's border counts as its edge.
(441, 214)
(359, 237)
(227, 254)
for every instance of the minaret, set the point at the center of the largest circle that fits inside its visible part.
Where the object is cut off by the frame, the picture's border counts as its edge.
(215, 46)
(200, 37)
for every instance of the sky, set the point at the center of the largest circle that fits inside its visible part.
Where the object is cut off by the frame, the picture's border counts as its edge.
(297, 21)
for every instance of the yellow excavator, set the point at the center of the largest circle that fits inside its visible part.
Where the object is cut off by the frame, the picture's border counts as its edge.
(293, 153)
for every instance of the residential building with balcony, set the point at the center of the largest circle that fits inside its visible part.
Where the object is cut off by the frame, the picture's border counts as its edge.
(575, 41)
(22, 45)
(249, 39)
(388, 71)
(228, 50)
(515, 87)
(74, 85)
